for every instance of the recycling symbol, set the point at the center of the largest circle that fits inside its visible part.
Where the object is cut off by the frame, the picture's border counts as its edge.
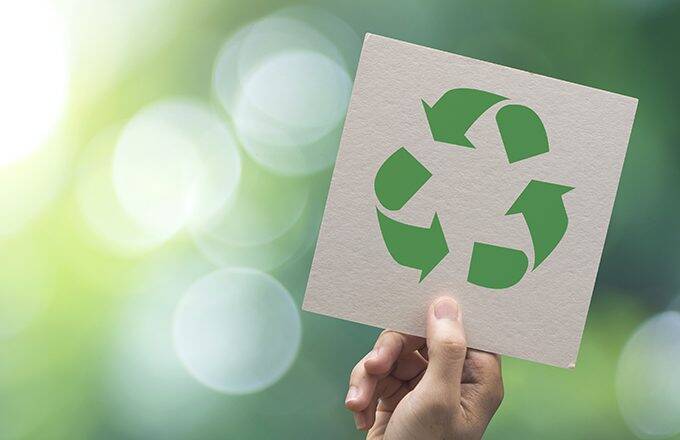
(401, 176)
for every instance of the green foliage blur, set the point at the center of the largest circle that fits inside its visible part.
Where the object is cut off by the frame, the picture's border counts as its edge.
(56, 375)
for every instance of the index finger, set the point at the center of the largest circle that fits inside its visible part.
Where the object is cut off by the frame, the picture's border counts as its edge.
(483, 380)
(388, 348)
(482, 367)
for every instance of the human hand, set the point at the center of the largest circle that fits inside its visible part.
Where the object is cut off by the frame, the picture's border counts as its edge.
(409, 387)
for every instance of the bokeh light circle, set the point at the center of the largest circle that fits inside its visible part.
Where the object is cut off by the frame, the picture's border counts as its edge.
(647, 379)
(237, 330)
(288, 106)
(345, 39)
(176, 164)
(226, 82)
(300, 89)
(277, 33)
(303, 28)
(104, 216)
(34, 76)
(285, 83)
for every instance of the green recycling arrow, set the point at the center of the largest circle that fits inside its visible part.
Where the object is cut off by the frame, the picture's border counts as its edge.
(413, 246)
(496, 267)
(543, 209)
(399, 178)
(522, 132)
(453, 114)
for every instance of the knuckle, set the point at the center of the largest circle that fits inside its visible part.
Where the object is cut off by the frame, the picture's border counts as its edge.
(477, 365)
(386, 334)
(356, 371)
(452, 347)
(387, 338)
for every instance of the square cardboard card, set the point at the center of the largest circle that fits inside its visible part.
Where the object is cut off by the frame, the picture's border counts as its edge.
(465, 178)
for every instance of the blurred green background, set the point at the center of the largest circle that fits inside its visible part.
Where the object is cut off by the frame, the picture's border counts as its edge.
(152, 149)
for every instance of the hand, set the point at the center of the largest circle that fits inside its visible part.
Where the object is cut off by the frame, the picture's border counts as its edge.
(411, 388)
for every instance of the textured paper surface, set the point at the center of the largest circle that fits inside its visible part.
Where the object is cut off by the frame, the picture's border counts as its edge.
(542, 317)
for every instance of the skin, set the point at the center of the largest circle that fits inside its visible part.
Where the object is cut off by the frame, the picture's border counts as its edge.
(409, 387)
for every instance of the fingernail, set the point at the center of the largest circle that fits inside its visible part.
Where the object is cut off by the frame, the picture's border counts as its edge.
(352, 394)
(446, 308)
(359, 420)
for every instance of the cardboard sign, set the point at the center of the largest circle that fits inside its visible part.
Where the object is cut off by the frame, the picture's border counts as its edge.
(465, 178)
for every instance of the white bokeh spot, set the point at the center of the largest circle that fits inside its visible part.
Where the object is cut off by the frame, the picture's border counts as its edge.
(647, 381)
(176, 164)
(237, 331)
(99, 206)
(284, 81)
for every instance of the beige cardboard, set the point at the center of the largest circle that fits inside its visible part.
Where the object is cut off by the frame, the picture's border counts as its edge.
(542, 317)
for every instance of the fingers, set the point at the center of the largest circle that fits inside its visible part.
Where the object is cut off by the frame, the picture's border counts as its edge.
(364, 407)
(388, 348)
(447, 348)
(361, 387)
(482, 376)
(385, 388)
(370, 379)
(482, 367)
(376, 365)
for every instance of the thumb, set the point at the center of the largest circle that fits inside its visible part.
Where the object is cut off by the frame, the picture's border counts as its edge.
(446, 349)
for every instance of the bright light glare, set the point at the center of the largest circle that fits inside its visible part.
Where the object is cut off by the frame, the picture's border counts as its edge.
(647, 380)
(33, 77)
(237, 331)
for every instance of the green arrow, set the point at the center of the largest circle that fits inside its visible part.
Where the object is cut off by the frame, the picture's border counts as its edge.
(454, 113)
(413, 246)
(543, 209)
(399, 178)
(522, 132)
(496, 267)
